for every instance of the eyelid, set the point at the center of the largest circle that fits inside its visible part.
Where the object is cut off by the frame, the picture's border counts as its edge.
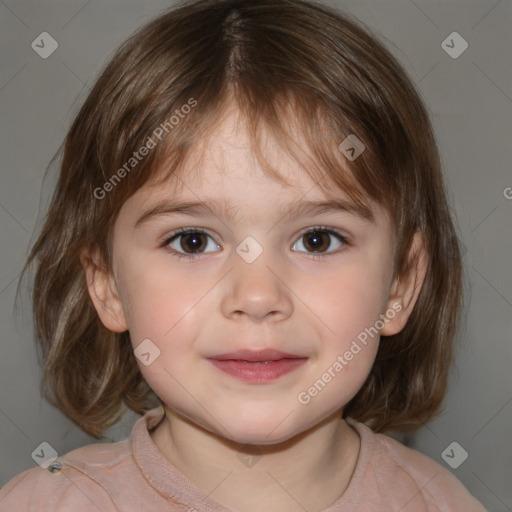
(169, 237)
(343, 239)
(326, 229)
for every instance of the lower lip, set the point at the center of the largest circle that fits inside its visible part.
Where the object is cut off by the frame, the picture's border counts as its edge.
(258, 372)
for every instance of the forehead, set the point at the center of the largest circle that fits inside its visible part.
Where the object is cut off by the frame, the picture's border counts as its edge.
(222, 169)
(227, 150)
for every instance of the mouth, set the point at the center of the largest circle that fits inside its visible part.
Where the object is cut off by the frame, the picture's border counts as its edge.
(257, 367)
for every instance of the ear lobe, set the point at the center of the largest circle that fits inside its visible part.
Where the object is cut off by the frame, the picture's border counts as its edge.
(103, 292)
(404, 292)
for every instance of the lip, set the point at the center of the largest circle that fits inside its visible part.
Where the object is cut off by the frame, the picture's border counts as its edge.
(267, 354)
(259, 366)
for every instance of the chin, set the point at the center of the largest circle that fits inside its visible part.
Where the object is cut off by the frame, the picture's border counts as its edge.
(259, 429)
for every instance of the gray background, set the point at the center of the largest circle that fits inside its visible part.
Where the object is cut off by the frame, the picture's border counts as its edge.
(470, 99)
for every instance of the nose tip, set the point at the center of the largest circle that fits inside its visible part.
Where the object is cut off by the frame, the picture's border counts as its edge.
(254, 289)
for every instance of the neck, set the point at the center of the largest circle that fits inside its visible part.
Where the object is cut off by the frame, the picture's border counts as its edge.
(308, 472)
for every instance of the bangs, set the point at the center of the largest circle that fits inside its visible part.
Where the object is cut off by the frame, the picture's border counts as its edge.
(313, 145)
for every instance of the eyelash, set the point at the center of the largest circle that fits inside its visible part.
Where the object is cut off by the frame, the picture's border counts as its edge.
(314, 229)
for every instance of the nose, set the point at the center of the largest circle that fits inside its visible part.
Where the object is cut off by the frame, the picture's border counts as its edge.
(256, 290)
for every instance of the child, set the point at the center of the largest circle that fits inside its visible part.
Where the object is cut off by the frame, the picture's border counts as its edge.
(314, 308)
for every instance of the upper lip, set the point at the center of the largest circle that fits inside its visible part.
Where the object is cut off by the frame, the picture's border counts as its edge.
(255, 355)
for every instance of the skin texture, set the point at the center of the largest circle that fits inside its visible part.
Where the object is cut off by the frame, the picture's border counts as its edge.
(215, 302)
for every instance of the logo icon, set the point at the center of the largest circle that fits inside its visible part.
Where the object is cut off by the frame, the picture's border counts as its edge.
(249, 455)
(352, 147)
(454, 455)
(454, 45)
(44, 454)
(146, 352)
(44, 45)
(249, 249)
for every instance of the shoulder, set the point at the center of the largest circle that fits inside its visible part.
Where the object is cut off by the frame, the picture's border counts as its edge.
(78, 485)
(407, 479)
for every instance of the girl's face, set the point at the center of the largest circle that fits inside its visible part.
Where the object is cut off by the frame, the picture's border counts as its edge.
(250, 277)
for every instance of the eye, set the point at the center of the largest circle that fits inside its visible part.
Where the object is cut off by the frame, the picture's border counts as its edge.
(319, 239)
(188, 242)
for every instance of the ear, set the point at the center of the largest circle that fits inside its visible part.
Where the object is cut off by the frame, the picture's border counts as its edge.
(103, 292)
(404, 292)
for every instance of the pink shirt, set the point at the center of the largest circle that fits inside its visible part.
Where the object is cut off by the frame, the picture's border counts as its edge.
(132, 475)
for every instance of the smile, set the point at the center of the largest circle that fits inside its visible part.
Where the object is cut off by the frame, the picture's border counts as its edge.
(257, 367)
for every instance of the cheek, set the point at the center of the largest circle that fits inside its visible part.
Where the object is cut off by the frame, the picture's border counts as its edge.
(348, 305)
(167, 308)
(157, 299)
(348, 301)
(170, 309)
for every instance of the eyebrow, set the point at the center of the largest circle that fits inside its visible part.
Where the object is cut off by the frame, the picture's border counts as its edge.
(222, 211)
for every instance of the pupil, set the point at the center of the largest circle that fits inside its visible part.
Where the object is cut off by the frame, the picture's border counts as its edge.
(316, 242)
(193, 241)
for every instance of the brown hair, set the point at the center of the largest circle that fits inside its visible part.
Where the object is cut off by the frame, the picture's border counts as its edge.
(282, 62)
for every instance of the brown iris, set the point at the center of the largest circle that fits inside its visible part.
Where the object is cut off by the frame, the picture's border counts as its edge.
(316, 241)
(193, 242)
